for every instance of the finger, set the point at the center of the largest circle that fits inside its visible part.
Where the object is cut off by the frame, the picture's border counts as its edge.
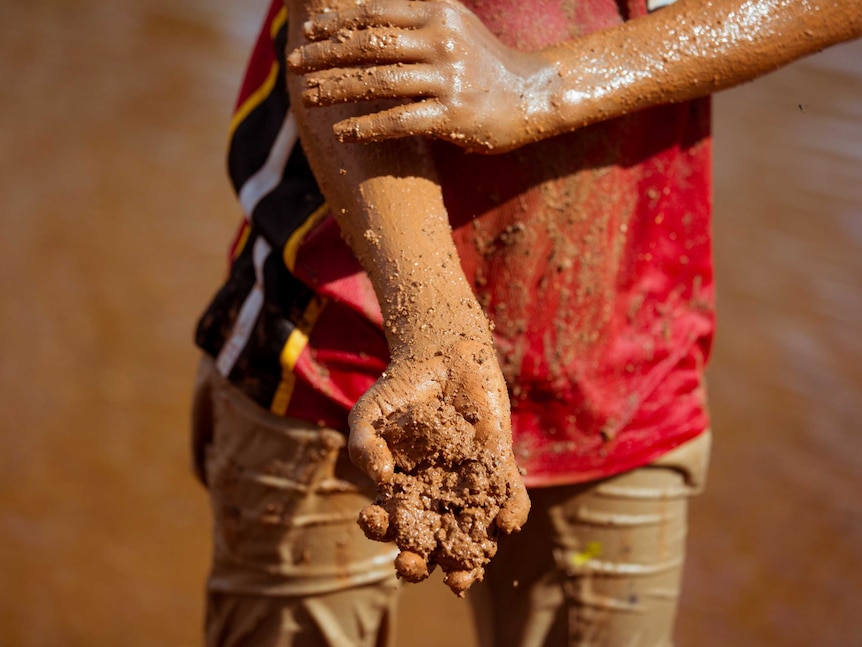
(369, 452)
(366, 47)
(480, 397)
(513, 514)
(393, 82)
(411, 566)
(382, 13)
(485, 406)
(374, 521)
(421, 118)
(366, 448)
(460, 581)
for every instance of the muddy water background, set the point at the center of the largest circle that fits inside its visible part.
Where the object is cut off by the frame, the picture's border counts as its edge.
(115, 216)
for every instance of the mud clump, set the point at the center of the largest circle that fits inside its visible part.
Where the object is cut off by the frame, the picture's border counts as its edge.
(441, 506)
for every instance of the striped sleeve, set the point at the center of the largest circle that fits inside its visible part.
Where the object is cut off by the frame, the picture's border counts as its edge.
(259, 321)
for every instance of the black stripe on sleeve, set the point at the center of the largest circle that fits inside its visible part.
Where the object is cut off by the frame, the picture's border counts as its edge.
(285, 208)
(254, 136)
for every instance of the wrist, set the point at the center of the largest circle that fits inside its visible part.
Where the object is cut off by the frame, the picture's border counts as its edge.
(428, 316)
(540, 96)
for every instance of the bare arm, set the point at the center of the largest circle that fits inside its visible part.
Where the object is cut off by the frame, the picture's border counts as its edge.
(389, 205)
(691, 49)
(472, 90)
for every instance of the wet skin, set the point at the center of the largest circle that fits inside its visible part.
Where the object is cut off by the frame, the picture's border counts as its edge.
(385, 196)
(389, 206)
(467, 87)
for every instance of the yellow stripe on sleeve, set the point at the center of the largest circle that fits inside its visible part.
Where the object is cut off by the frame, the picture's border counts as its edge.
(278, 23)
(254, 100)
(243, 239)
(291, 247)
(293, 347)
(257, 97)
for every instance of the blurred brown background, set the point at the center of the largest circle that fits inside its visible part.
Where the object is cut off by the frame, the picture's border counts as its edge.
(116, 216)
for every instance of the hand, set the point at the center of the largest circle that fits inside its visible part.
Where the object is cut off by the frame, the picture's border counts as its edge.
(435, 436)
(463, 85)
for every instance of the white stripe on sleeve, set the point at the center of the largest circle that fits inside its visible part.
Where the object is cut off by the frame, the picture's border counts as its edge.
(269, 175)
(248, 313)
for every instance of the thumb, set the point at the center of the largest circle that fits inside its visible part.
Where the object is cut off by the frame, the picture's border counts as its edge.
(513, 514)
(367, 449)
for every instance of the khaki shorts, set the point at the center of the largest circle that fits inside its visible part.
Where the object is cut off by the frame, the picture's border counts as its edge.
(598, 564)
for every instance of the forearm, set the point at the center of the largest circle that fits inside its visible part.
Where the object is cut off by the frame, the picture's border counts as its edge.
(389, 206)
(484, 96)
(442, 403)
(685, 51)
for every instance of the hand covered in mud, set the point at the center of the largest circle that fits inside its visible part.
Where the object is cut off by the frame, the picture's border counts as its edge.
(435, 436)
(463, 85)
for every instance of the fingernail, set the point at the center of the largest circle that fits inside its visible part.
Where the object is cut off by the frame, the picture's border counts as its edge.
(346, 131)
(311, 96)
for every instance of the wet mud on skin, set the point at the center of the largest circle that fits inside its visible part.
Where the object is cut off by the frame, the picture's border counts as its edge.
(441, 506)
(117, 216)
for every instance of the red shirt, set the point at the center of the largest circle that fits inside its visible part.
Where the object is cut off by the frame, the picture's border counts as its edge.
(589, 251)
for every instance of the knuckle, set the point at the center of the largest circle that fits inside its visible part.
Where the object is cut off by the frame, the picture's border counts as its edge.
(377, 10)
(450, 15)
